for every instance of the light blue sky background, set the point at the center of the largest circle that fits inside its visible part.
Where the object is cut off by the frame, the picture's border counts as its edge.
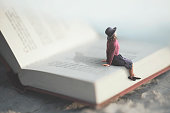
(135, 19)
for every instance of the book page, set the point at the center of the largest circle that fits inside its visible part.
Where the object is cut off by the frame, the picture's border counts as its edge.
(33, 35)
(84, 63)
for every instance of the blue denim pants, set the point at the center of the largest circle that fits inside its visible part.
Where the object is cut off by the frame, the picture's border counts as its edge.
(121, 61)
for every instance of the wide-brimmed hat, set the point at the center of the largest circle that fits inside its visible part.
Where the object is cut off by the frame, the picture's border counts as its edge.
(110, 31)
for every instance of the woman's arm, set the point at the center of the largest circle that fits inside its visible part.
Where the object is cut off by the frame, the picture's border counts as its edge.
(110, 57)
(110, 53)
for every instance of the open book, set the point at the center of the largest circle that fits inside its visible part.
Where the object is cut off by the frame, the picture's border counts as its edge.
(64, 57)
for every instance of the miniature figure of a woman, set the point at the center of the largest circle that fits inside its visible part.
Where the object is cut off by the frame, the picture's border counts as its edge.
(113, 56)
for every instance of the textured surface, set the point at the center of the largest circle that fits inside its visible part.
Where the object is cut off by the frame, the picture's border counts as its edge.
(151, 97)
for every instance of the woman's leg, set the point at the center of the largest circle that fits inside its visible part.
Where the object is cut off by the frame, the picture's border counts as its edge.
(132, 75)
(131, 72)
(129, 66)
(121, 61)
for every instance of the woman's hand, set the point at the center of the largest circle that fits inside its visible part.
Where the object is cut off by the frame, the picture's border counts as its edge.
(106, 65)
(103, 60)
